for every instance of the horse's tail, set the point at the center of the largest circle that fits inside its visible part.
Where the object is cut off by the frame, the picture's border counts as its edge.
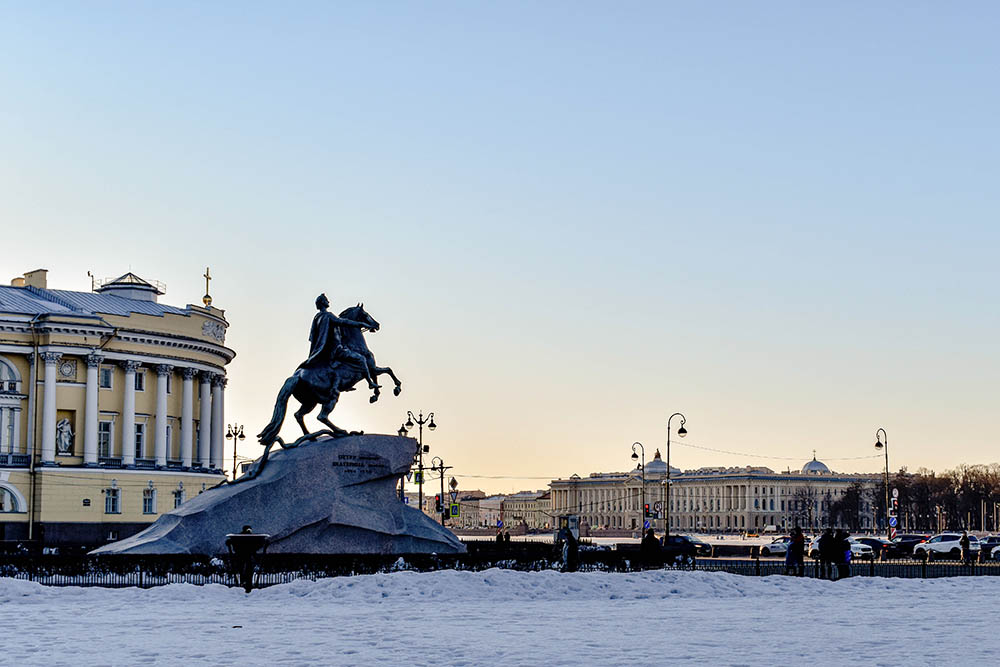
(270, 432)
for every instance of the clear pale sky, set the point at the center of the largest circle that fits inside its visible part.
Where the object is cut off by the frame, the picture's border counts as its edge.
(572, 219)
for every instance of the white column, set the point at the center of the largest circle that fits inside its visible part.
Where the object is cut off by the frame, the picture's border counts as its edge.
(218, 419)
(205, 425)
(9, 449)
(187, 404)
(49, 407)
(160, 443)
(90, 411)
(128, 413)
(16, 444)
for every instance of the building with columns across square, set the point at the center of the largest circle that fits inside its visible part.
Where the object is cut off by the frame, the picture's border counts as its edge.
(716, 499)
(111, 408)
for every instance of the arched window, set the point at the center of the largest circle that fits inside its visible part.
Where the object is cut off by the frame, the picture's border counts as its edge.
(9, 377)
(11, 501)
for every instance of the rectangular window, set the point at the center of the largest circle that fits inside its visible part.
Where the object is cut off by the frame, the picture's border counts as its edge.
(140, 440)
(170, 384)
(149, 501)
(178, 498)
(112, 501)
(170, 438)
(140, 380)
(104, 437)
(106, 377)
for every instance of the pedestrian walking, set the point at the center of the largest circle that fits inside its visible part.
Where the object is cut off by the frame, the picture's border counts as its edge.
(650, 553)
(826, 547)
(843, 554)
(964, 543)
(795, 555)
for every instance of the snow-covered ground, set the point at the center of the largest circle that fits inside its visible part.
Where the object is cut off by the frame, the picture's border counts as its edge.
(502, 617)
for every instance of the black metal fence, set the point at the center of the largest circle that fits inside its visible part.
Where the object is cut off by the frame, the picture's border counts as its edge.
(149, 571)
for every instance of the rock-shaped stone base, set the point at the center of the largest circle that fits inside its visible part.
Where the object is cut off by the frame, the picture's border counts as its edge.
(331, 496)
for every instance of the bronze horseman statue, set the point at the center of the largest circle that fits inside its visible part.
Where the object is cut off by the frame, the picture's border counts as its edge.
(338, 359)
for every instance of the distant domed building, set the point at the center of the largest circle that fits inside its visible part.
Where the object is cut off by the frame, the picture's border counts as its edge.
(657, 467)
(712, 499)
(815, 467)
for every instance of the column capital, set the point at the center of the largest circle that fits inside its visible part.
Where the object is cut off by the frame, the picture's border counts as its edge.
(188, 373)
(94, 359)
(219, 380)
(206, 376)
(129, 365)
(164, 369)
(50, 358)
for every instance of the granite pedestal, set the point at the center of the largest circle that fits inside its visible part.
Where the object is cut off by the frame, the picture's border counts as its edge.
(329, 496)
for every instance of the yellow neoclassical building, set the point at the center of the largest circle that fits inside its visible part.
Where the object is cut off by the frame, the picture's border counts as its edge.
(111, 408)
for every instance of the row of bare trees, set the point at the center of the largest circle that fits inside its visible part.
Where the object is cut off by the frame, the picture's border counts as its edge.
(967, 497)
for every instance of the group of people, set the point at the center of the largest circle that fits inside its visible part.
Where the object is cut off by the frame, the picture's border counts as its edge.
(834, 554)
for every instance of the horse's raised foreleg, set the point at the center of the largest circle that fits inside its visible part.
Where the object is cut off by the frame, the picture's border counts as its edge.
(306, 408)
(385, 370)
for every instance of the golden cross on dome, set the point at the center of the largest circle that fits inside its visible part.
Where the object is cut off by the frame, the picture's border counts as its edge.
(207, 299)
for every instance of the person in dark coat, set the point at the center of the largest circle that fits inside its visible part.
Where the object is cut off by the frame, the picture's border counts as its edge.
(795, 555)
(964, 543)
(570, 551)
(843, 554)
(649, 550)
(826, 548)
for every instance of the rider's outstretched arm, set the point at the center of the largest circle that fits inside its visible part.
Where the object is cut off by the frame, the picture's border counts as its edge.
(343, 322)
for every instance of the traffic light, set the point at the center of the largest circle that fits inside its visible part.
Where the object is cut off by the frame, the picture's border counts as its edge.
(437, 503)
(646, 512)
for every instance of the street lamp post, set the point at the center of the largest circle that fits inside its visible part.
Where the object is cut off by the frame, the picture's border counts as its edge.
(421, 450)
(642, 467)
(234, 432)
(438, 466)
(881, 435)
(681, 431)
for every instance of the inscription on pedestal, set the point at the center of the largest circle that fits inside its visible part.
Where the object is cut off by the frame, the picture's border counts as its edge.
(360, 463)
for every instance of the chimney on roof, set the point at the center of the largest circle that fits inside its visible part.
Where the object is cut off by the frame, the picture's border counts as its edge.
(37, 278)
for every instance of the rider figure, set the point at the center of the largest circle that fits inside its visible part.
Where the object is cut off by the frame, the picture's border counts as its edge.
(326, 345)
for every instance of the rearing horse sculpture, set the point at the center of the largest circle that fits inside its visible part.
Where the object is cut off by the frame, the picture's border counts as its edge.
(323, 385)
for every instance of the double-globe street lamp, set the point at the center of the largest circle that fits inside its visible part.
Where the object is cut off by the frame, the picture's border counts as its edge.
(421, 450)
(881, 435)
(681, 431)
(234, 432)
(642, 467)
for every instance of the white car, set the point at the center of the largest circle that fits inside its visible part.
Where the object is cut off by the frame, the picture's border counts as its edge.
(777, 547)
(945, 545)
(859, 551)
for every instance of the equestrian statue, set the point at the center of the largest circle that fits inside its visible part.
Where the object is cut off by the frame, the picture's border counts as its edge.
(338, 359)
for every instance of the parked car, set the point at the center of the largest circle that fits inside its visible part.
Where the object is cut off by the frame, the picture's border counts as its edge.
(678, 549)
(859, 551)
(995, 554)
(881, 547)
(987, 545)
(906, 542)
(777, 547)
(945, 545)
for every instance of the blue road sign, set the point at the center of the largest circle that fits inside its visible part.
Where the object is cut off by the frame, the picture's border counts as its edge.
(645, 525)
(499, 523)
(892, 521)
